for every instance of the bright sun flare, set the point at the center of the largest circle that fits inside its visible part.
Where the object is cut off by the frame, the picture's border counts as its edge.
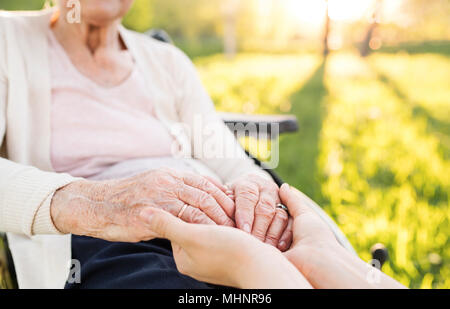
(313, 11)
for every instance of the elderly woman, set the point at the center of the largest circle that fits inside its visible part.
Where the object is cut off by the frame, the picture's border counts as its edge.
(91, 116)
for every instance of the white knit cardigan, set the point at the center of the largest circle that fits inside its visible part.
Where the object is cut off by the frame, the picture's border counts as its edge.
(27, 183)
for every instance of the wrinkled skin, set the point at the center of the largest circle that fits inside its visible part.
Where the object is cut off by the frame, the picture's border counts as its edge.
(110, 210)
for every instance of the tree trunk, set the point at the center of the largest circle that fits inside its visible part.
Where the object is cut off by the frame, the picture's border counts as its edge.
(230, 9)
(326, 49)
(365, 48)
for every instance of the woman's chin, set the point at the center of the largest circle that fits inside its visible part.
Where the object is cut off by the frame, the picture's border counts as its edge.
(104, 12)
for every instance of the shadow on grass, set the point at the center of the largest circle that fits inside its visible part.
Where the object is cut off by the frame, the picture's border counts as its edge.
(437, 127)
(299, 152)
(434, 47)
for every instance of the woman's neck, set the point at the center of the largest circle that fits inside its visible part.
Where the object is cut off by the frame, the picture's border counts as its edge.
(93, 37)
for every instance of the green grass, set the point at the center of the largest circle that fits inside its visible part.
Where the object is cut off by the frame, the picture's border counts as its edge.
(436, 47)
(372, 149)
(21, 4)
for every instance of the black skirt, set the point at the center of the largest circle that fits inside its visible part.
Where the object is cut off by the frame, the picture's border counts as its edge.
(117, 265)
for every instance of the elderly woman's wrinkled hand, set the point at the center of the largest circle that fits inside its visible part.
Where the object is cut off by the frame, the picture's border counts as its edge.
(256, 200)
(110, 210)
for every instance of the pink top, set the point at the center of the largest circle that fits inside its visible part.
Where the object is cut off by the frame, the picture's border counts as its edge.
(95, 127)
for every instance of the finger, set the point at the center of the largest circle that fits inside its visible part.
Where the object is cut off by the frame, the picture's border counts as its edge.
(225, 188)
(276, 229)
(286, 237)
(209, 187)
(217, 183)
(246, 199)
(166, 225)
(205, 203)
(264, 214)
(292, 198)
(195, 215)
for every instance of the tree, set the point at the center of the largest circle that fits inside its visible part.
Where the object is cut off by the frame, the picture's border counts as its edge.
(375, 20)
(229, 11)
(326, 49)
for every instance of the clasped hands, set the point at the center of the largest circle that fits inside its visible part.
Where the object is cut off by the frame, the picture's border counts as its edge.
(206, 244)
(111, 210)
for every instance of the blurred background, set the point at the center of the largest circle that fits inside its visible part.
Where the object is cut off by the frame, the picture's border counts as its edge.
(369, 81)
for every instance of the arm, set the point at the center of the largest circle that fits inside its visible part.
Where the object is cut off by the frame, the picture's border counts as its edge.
(36, 202)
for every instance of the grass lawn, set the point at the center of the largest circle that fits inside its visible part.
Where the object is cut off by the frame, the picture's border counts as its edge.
(373, 147)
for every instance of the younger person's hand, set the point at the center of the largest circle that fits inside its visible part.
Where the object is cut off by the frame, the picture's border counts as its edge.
(320, 258)
(223, 255)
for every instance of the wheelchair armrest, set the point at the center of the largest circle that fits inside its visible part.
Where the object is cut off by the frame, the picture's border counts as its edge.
(160, 35)
(285, 123)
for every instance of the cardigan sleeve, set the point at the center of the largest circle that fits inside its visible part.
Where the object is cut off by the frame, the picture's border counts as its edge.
(2, 107)
(3, 97)
(25, 198)
(25, 192)
(211, 141)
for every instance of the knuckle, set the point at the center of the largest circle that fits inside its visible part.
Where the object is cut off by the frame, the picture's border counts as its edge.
(218, 216)
(246, 201)
(188, 215)
(267, 200)
(179, 191)
(197, 216)
(273, 186)
(204, 200)
(248, 188)
(259, 234)
(199, 182)
(193, 215)
(265, 211)
(271, 239)
(206, 184)
(249, 195)
(209, 187)
(282, 215)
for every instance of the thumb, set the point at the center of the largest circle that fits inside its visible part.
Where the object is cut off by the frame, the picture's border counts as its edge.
(164, 224)
(293, 198)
